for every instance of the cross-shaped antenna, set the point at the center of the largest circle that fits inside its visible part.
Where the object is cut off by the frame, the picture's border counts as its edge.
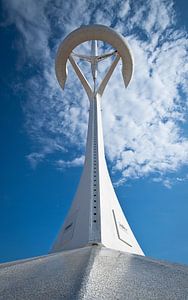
(94, 59)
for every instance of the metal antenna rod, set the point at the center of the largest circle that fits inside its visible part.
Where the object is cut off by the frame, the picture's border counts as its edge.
(94, 62)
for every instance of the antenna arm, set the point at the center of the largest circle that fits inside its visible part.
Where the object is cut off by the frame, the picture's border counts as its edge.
(106, 78)
(81, 76)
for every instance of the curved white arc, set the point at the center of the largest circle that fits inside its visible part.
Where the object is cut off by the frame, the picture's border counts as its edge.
(93, 32)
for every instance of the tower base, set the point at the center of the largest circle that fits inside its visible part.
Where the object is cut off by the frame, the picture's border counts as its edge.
(93, 272)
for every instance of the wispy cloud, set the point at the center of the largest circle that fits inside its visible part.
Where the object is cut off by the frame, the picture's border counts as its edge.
(62, 164)
(144, 122)
(34, 158)
(168, 182)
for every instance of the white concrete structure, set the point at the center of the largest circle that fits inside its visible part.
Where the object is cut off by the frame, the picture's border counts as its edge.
(95, 223)
(95, 216)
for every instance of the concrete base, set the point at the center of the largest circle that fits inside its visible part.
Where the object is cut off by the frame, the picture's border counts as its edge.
(93, 272)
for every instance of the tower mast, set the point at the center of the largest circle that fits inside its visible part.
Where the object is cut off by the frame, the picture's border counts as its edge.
(94, 62)
(95, 216)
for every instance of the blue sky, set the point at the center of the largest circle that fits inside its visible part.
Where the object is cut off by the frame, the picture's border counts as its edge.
(43, 130)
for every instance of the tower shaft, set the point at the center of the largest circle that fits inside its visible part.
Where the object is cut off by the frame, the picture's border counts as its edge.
(95, 216)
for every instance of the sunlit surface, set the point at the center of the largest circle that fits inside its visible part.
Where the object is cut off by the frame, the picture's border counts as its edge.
(93, 273)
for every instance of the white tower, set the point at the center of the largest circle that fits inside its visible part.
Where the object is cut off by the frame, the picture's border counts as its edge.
(95, 217)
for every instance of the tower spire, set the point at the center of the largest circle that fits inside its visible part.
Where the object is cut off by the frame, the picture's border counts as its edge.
(95, 216)
(94, 62)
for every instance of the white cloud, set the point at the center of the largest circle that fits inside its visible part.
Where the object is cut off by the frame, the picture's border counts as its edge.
(34, 158)
(31, 21)
(144, 122)
(168, 182)
(78, 161)
(124, 9)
